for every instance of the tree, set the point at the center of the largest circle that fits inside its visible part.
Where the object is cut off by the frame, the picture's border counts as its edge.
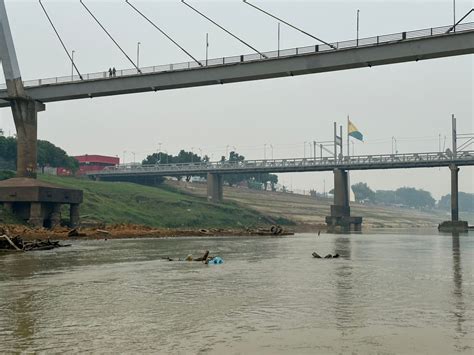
(466, 202)
(363, 192)
(48, 155)
(412, 197)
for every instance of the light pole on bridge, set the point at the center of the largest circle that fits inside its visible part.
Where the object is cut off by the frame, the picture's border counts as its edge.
(138, 54)
(72, 64)
(207, 48)
(358, 27)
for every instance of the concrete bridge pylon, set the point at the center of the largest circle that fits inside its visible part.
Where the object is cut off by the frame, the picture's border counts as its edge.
(34, 201)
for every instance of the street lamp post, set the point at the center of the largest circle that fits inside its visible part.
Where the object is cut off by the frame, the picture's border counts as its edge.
(72, 64)
(278, 39)
(138, 54)
(265, 151)
(394, 145)
(207, 48)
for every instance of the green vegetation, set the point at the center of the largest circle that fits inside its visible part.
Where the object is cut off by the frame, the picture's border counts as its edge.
(254, 181)
(466, 202)
(48, 155)
(116, 202)
(7, 217)
(404, 196)
(6, 174)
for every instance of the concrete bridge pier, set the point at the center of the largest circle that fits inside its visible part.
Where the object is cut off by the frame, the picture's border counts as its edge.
(25, 115)
(454, 225)
(340, 218)
(454, 193)
(215, 187)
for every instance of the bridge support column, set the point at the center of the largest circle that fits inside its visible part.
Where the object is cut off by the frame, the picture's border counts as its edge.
(454, 193)
(73, 215)
(214, 187)
(340, 218)
(454, 225)
(25, 114)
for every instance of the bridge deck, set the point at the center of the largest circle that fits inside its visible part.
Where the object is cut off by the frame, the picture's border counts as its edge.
(378, 50)
(363, 162)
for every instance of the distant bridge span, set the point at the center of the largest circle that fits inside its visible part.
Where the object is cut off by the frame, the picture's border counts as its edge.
(379, 50)
(362, 162)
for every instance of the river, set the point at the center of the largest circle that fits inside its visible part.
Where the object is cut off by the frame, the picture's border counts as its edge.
(390, 293)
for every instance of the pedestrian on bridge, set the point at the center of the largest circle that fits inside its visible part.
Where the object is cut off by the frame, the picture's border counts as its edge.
(114, 72)
(110, 72)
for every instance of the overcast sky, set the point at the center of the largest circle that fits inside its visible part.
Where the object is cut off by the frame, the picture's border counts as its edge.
(412, 102)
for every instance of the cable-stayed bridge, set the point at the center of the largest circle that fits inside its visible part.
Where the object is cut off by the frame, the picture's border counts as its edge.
(27, 98)
(393, 48)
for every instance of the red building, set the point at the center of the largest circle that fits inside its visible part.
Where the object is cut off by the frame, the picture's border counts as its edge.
(95, 162)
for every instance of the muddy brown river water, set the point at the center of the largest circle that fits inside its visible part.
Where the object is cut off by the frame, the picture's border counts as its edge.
(389, 293)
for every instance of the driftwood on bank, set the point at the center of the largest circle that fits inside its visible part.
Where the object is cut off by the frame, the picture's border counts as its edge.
(18, 244)
(273, 230)
(9, 241)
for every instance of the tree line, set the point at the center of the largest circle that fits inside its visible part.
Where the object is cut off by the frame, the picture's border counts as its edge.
(49, 155)
(410, 197)
(254, 180)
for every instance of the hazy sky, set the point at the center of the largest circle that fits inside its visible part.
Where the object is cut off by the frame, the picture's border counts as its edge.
(412, 102)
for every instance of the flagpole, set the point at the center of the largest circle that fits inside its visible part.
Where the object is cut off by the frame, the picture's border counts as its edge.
(348, 151)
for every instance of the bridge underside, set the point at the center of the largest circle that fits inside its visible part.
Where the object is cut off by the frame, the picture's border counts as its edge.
(394, 52)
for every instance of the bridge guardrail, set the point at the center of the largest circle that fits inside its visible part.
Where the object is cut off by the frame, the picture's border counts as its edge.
(362, 42)
(381, 159)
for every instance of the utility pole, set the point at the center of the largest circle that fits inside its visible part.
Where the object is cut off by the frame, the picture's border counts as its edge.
(455, 148)
(335, 141)
(340, 135)
(348, 152)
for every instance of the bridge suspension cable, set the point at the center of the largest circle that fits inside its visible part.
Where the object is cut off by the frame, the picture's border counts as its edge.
(60, 39)
(462, 18)
(222, 28)
(289, 24)
(163, 32)
(110, 36)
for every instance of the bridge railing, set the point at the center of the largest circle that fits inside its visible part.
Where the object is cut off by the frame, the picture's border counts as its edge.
(362, 42)
(379, 159)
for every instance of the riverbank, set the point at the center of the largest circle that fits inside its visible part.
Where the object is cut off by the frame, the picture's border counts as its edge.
(113, 203)
(310, 212)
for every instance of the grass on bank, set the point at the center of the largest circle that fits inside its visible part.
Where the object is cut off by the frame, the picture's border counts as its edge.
(120, 202)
